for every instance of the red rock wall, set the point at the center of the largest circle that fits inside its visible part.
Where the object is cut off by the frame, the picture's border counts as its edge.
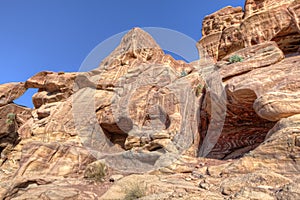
(231, 29)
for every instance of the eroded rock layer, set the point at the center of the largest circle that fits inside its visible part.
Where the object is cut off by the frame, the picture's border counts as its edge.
(141, 111)
(262, 21)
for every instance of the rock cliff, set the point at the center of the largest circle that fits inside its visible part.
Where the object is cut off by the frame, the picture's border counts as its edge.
(231, 29)
(143, 124)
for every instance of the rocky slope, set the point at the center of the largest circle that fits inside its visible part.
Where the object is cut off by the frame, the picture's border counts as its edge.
(144, 124)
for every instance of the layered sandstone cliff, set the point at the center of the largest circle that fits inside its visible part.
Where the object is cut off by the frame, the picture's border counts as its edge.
(231, 29)
(184, 136)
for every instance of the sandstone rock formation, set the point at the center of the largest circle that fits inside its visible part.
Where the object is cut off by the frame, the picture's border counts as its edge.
(222, 25)
(262, 21)
(165, 129)
(53, 139)
(53, 87)
(10, 92)
(12, 117)
(141, 103)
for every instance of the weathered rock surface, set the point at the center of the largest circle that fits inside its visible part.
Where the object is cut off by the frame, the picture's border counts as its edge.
(146, 105)
(257, 56)
(280, 147)
(250, 129)
(141, 111)
(11, 118)
(274, 24)
(265, 20)
(49, 187)
(51, 81)
(51, 122)
(53, 159)
(219, 26)
(294, 10)
(10, 92)
(53, 87)
(275, 86)
(252, 6)
(136, 48)
(54, 136)
(271, 171)
(222, 19)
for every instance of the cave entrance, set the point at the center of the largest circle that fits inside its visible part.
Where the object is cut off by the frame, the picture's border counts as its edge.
(117, 132)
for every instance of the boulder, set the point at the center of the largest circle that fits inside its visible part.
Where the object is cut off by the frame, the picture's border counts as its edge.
(53, 87)
(10, 92)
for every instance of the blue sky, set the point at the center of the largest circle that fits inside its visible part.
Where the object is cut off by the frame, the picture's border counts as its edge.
(57, 35)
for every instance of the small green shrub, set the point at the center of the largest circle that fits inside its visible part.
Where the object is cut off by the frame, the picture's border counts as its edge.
(198, 89)
(183, 73)
(10, 118)
(135, 191)
(235, 58)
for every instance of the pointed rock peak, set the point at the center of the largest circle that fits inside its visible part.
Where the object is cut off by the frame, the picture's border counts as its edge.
(137, 38)
(136, 44)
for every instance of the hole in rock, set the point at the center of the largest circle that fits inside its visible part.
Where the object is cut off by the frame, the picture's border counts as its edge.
(117, 133)
(243, 129)
(254, 41)
(117, 138)
(26, 98)
(1, 149)
(289, 44)
(158, 148)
